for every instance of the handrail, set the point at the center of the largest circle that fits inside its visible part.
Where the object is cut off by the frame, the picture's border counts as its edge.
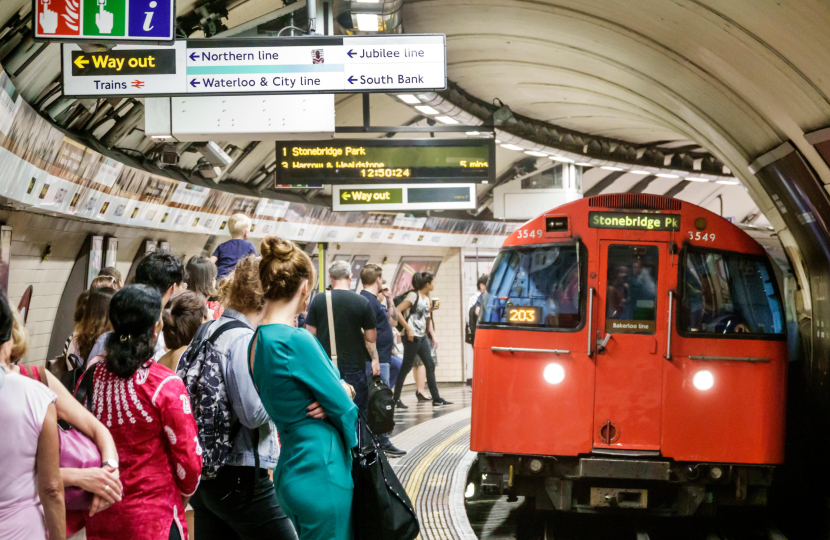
(729, 358)
(590, 322)
(668, 338)
(519, 349)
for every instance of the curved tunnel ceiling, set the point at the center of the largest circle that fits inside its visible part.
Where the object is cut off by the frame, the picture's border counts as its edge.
(738, 78)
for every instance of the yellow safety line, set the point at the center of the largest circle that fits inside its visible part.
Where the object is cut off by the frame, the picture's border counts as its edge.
(413, 484)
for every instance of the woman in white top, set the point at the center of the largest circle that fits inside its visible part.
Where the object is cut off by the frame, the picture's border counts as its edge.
(413, 314)
(31, 490)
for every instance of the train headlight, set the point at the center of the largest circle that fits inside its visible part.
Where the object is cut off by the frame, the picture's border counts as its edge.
(535, 465)
(554, 373)
(703, 380)
(715, 473)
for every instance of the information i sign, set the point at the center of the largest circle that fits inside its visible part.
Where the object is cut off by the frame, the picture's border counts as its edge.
(105, 20)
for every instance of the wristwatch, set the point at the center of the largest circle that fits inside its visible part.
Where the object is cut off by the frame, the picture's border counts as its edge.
(113, 463)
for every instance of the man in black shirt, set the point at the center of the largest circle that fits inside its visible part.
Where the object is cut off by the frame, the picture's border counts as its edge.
(355, 331)
(372, 278)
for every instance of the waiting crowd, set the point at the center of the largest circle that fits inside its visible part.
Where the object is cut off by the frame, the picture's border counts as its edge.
(176, 391)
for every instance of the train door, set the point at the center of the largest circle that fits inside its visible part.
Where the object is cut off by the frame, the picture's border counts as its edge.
(631, 290)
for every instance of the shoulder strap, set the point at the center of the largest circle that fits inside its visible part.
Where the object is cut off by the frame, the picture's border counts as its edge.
(330, 314)
(224, 328)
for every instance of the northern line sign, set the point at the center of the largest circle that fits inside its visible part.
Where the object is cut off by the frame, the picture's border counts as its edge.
(403, 197)
(283, 65)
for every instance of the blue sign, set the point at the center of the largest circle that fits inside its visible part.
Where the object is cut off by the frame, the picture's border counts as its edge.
(151, 18)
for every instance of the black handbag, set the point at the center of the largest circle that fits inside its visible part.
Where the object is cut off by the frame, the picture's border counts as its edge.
(381, 509)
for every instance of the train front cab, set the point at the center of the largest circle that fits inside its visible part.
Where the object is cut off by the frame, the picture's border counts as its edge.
(630, 354)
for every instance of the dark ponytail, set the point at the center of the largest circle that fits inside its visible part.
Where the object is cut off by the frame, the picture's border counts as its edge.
(134, 311)
(421, 280)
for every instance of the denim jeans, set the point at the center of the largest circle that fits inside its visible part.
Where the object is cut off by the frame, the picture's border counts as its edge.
(230, 508)
(360, 382)
(394, 369)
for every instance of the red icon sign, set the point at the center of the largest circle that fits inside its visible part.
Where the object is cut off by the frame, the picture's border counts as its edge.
(59, 17)
(137, 84)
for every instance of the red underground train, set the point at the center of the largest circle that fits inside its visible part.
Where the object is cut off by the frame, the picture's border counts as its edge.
(630, 353)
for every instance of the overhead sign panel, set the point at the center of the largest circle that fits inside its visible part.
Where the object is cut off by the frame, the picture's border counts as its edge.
(101, 21)
(403, 197)
(285, 65)
(366, 161)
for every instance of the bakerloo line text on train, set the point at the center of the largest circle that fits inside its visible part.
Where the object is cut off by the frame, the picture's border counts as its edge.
(631, 336)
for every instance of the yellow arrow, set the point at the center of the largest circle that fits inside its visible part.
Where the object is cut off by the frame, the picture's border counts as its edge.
(345, 196)
(80, 62)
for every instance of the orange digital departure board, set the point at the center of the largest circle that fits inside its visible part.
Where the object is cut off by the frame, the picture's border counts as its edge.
(385, 161)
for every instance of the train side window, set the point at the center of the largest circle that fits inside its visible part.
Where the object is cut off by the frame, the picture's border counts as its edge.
(534, 287)
(728, 293)
(631, 293)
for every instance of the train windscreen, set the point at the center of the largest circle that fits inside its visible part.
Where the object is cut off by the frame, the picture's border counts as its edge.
(728, 293)
(534, 287)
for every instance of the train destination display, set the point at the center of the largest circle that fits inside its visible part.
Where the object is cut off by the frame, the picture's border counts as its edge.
(367, 161)
(634, 221)
(282, 65)
(403, 197)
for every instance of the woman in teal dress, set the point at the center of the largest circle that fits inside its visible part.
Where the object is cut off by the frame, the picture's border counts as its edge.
(291, 371)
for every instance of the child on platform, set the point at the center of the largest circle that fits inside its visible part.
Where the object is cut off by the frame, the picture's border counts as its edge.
(238, 247)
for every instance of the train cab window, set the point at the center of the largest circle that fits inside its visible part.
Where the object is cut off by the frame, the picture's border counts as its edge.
(728, 293)
(534, 287)
(631, 290)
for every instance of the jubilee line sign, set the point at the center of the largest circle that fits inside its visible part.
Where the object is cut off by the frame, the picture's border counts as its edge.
(283, 65)
(101, 21)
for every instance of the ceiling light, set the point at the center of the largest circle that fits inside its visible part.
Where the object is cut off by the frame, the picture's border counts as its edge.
(607, 168)
(690, 179)
(367, 22)
(728, 182)
(534, 153)
(408, 98)
(426, 109)
(641, 172)
(446, 119)
(512, 147)
(661, 175)
(161, 137)
(585, 164)
(560, 158)
(498, 141)
(367, 1)
(473, 133)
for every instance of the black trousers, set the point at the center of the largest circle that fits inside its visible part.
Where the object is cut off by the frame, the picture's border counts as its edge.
(226, 508)
(420, 347)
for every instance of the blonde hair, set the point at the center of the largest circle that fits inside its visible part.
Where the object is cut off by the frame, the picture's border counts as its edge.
(283, 268)
(238, 224)
(20, 336)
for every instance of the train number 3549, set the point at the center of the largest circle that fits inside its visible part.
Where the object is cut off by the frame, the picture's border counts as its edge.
(706, 237)
(524, 233)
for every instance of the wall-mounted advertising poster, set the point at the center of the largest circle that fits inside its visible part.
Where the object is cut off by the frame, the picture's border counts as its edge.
(410, 266)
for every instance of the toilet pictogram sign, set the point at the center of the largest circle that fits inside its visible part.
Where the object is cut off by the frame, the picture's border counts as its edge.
(100, 21)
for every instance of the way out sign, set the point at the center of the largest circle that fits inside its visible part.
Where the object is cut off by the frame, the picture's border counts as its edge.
(404, 197)
(101, 21)
(283, 65)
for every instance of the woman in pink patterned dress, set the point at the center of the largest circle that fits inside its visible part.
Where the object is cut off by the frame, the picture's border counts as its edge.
(146, 408)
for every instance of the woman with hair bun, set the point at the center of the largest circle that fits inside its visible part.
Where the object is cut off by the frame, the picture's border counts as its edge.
(292, 371)
(147, 410)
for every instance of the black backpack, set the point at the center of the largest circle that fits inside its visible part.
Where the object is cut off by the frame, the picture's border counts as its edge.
(397, 301)
(472, 321)
(381, 409)
(201, 371)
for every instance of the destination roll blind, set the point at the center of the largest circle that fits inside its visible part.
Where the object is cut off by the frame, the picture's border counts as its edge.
(634, 221)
